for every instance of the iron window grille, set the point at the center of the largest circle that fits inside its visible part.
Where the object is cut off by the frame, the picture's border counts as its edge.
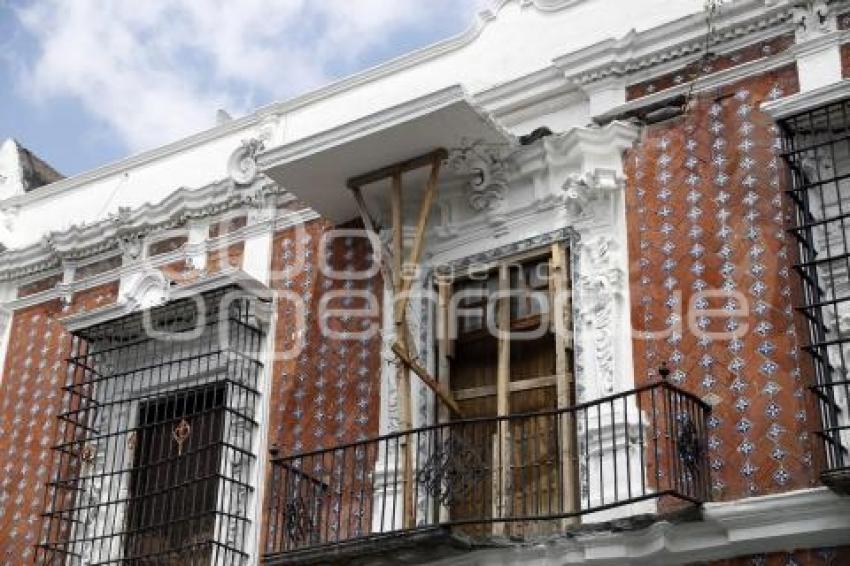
(155, 455)
(817, 150)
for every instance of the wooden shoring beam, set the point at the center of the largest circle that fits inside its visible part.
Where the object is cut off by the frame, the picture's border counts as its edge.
(398, 168)
(426, 378)
(502, 455)
(403, 372)
(418, 237)
(368, 221)
(401, 287)
(561, 305)
(398, 234)
(369, 224)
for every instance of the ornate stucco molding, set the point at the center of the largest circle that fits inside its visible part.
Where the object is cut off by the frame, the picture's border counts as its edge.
(812, 19)
(564, 187)
(488, 172)
(124, 231)
(602, 286)
(242, 165)
(802, 519)
(152, 289)
(565, 179)
(640, 51)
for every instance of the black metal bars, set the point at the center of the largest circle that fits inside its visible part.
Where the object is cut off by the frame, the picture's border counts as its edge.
(817, 150)
(520, 475)
(155, 439)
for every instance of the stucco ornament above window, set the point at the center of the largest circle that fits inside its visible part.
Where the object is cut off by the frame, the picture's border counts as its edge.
(147, 289)
(488, 175)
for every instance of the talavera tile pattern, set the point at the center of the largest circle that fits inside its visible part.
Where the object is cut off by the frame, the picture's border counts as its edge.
(709, 256)
(30, 399)
(328, 393)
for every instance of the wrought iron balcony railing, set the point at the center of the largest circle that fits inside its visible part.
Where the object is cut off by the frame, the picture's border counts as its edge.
(633, 453)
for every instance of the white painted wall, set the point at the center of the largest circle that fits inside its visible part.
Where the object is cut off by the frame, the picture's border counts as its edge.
(509, 42)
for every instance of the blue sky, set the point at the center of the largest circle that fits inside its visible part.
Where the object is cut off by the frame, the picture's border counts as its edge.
(86, 82)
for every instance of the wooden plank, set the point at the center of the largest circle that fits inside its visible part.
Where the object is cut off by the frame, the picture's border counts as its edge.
(561, 315)
(419, 236)
(402, 372)
(369, 223)
(398, 229)
(405, 423)
(502, 454)
(514, 386)
(426, 378)
(503, 369)
(417, 162)
(444, 288)
(367, 219)
(443, 347)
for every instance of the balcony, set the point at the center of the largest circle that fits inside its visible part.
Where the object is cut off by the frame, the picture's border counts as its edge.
(450, 486)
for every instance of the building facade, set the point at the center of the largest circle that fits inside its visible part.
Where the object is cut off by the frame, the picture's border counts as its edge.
(549, 292)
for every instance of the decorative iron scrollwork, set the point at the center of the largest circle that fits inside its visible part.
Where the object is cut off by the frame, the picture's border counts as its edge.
(298, 521)
(688, 442)
(87, 454)
(452, 471)
(181, 434)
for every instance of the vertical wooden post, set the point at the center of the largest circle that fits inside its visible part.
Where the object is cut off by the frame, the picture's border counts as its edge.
(403, 384)
(502, 452)
(562, 323)
(419, 235)
(444, 287)
(398, 242)
(443, 341)
(504, 353)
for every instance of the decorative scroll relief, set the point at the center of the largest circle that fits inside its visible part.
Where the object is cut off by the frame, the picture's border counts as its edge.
(602, 285)
(488, 172)
(242, 165)
(581, 191)
(572, 180)
(812, 19)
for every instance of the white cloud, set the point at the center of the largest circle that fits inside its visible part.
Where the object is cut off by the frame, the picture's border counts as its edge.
(156, 70)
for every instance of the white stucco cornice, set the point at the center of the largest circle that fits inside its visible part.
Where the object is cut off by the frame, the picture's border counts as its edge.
(801, 102)
(638, 51)
(705, 84)
(152, 289)
(83, 241)
(641, 55)
(65, 290)
(808, 518)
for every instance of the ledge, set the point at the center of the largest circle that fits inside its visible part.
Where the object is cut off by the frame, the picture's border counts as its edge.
(837, 480)
(416, 547)
(804, 101)
(153, 289)
(809, 518)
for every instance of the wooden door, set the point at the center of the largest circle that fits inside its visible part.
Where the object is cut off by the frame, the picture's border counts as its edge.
(521, 453)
